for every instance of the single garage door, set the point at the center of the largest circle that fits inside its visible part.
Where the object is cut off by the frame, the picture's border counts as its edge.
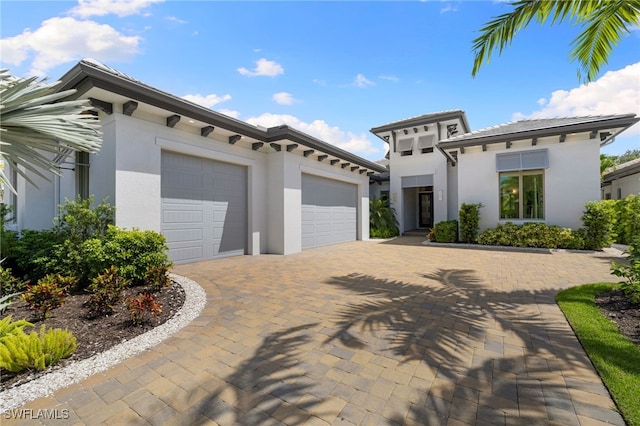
(204, 208)
(329, 212)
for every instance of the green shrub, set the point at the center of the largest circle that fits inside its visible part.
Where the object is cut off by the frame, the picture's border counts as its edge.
(48, 294)
(157, 278)
(142, 307)
(628, 218)
(78, 221)
(469, 222)
(446, 231)
(599, 221)
(9, 283)
(382, 219)
(630, 272)
(8, 327)
(133, 252)
(20, 351)
(532, 234)
(33, 252)
(106, 290)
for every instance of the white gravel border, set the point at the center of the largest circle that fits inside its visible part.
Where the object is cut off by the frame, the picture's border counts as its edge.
(195, 300)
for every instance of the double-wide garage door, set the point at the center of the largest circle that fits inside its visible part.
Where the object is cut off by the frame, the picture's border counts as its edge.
(204, 207)
(329, 211)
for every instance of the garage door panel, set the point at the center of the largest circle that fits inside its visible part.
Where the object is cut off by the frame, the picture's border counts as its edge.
(329, 211)
(217, 208)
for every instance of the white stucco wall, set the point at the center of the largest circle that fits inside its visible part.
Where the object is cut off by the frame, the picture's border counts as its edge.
(375, 189)
(418, 164)
(625, 186)
(572, 179)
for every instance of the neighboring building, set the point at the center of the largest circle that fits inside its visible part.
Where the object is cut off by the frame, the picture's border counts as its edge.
(213, 185)
(379, 187)
(621, 180)
(541, 170)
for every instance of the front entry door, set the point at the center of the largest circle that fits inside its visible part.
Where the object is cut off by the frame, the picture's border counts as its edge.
(425, 209)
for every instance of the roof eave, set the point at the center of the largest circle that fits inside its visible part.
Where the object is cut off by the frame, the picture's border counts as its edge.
(416, 121)
(623, 122)
(275, 134)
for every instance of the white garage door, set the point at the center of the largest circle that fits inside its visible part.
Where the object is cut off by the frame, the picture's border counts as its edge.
(329, 212)
(204, 208)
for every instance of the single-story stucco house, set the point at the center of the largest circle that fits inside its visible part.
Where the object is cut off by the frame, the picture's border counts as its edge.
(621, 180)
(213, 185)
(542, 170)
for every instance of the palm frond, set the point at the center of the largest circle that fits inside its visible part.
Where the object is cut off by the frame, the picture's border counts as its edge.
(606, 21)
(38, 129)
(604, 29)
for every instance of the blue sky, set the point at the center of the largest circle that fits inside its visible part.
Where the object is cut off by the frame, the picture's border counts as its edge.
(331, 69)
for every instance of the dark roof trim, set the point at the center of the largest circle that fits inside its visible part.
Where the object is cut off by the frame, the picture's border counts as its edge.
(622, 172)
(279, 133)
(621, 121)
(422, 120)
(86, 75)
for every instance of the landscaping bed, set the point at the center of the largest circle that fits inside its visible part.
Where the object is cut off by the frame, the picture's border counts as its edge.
(94, 335)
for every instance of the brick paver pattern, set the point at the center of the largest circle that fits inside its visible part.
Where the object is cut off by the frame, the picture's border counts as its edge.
(363, 333)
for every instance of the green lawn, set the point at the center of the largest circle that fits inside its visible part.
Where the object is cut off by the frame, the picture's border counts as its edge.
(615, 357)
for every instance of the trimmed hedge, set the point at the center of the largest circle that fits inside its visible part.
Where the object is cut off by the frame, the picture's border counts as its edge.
(445, 231)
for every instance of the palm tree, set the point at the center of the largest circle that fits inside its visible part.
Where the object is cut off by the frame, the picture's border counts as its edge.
(604, 22)
(36, 132)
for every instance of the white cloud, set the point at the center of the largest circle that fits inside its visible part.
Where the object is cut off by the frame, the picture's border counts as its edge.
(229, 112)
(263, 67)
(207, 100)
(61, 40)
(283, 98)
(319, 82)
(616, 92)
(361, 81)
(87, 8)
(389, 77)
(542, 101)
(320, 129)
(176, 20)
(449, 8)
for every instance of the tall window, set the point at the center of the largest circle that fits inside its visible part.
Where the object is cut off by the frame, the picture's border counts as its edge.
(522, 195)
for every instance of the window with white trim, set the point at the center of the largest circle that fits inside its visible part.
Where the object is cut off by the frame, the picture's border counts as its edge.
(522, 194)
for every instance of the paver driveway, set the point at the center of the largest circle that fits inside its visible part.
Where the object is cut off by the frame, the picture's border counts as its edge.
(364, 333)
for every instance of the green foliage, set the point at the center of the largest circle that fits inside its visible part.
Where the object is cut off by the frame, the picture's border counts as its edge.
(616, 358)
(7, 238)
(606, 162)
(20, 351)
(33, 252)
(446, 231)
(599, 221)
(8, 327)
(78, 221)
(630, 272)
(531, 234)
(9, 283)
(133, 252)
(469, 222)
(48, 294)
(157, 278)
(37, 121)
(630, 154)
(628, 218)
(382, 219)
(142, 307)
(603, 24)
(106, 292)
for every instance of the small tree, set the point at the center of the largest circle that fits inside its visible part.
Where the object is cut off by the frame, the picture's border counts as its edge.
(469, 222)
(382, 218)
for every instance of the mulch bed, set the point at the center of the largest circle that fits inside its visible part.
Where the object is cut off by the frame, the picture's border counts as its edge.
(94, 335)
(615, 306)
